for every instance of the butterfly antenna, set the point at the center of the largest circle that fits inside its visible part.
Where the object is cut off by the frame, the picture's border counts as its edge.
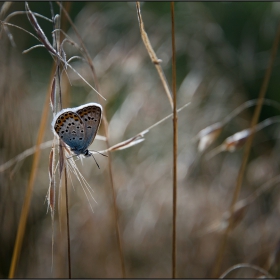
(95, 161)
(99, 153)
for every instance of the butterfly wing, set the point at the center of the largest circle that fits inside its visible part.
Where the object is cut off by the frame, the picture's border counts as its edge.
(90, 115)
(69, 127)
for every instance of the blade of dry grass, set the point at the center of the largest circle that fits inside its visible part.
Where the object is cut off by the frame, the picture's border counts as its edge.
(51, 195)
(24, 155)
(153, 55)
(175, 143)
(67, 223)
(139, 137)
(221, 250)
(24, 12)
(5, 7)
(28, 194)
(246, 265)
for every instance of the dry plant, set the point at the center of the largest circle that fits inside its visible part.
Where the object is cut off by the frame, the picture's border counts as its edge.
(161, 204)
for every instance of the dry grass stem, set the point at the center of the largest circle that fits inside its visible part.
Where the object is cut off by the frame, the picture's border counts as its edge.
(153, 55)
(4, 24)
(24, 13)
(175, 144)
(67, 223)
(51, 194)
(24, 155)
(246, 265)
(5, 7)
(139, 137)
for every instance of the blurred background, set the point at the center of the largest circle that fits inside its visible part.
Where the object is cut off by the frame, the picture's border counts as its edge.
(222, 51)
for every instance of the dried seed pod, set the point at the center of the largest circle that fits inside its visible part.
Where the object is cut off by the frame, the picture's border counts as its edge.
(236, 140)
(208, 135)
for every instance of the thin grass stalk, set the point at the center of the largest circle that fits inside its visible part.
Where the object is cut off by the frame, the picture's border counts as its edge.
(175, 143)
(51, 195)
(153, 55)
(219, 258)
(247, 265)
(67, 222)
(107, 143)
(28, 193)
(62, 172)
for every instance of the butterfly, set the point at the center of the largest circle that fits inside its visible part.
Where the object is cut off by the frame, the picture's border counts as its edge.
(77, 127)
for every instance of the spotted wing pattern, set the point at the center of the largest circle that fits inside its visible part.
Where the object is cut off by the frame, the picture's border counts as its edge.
(70, 128)
(91, 117)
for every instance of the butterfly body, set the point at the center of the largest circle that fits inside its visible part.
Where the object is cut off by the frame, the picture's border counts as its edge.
(77, 127)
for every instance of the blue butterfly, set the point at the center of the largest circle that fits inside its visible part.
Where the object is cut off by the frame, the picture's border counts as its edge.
(77, 127)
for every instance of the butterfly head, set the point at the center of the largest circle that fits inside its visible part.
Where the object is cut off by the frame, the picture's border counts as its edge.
(87, 153)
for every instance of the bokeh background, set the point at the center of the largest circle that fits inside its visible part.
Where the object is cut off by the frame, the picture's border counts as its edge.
(222, 51)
